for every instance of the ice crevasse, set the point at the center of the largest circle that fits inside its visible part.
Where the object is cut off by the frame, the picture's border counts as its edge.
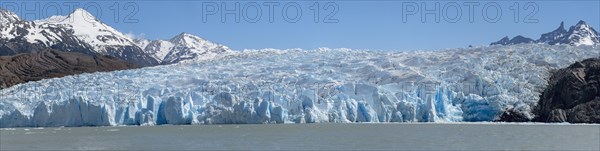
(299, 86)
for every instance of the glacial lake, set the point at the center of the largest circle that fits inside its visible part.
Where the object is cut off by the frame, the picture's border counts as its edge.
(412, 136)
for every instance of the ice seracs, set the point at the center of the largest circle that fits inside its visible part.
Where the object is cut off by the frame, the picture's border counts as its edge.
(300, 86)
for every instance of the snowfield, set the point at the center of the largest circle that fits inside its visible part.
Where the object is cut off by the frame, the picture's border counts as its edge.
(299, 86)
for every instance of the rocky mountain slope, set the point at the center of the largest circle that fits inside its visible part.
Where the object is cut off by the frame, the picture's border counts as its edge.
(573, 95)
(51, 64)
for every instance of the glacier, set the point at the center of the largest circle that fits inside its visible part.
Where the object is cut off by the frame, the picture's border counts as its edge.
(299, 86)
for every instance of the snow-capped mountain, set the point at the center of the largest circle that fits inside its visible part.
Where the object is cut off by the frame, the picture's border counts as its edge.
(181, 48)
(90, 30)
(579, 34)
(554, 36)
(7, 17)
(19, 36)
(76, 32)
(81, 32)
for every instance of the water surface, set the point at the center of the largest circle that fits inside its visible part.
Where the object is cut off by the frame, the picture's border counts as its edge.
(308, 137)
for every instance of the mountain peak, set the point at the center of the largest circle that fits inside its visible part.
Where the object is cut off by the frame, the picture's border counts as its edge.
(581, 34)
(554, 36)
(81, 11)
(581, 25)
(7, 16)
(515, 40)
(185, 34)
(519, 36)
(81, 14)
(561, 27)
(185, 46)
(503, 41)
(184, 37)
(78, 15)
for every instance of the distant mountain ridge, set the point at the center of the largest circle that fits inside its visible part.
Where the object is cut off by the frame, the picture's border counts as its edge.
(578, 34)
(516, 40)
(81, 32)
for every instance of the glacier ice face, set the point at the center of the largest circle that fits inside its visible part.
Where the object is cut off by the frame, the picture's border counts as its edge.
(299, 86)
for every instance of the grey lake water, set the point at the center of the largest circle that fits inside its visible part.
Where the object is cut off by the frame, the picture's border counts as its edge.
(483, 136)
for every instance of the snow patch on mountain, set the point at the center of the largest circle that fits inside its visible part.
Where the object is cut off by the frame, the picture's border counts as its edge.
(7, 17)
(158, 49)
(142, 43)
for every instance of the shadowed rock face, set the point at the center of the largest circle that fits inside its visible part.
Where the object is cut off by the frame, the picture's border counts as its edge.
(573, 95)
(511, 115)
(51, 64)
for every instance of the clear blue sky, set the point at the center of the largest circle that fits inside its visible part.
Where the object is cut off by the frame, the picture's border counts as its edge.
(360, 24)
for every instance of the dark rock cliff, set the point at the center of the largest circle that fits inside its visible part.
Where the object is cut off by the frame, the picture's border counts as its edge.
(51, 64)
(573, 95)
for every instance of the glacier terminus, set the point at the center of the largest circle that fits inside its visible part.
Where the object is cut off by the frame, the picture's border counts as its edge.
(299, 86)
